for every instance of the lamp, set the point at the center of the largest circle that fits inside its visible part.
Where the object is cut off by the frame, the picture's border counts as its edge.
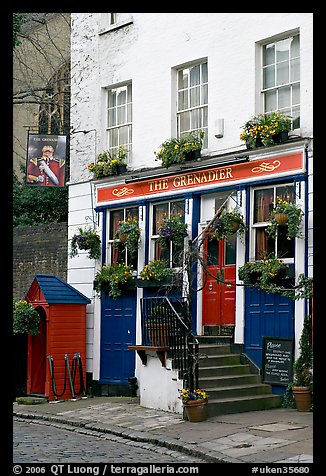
(219, 128)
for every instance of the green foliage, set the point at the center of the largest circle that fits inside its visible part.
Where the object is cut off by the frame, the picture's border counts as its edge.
(18, 20)
(26, 320)
(107, 163)
(294, 214)
(155, 270)
(227, 224)
(303, 365)
(174, 229)
(130, 229)
(174, 150)
(86, 239)
(265, 127)
(113, 278)
(35, 205)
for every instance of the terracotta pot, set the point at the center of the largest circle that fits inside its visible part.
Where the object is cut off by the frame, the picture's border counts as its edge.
(196, 410)
(281, 218)
(303, 400)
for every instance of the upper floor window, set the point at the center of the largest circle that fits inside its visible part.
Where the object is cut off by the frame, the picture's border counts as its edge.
(263, 245)
(281, 77)
(173, 255)
(119, 118)
(192, 100)
(117, 252)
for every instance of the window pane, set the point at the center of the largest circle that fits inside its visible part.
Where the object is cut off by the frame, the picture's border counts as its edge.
(263, 204)
(158, 213)
(269, 54)
(296, 117)
(194, 97)
(295, 69)
(195, 119)
(183, 76)
(284, 97)
(285, 192)
(195, 75)
(122, 96)
(295, 47)
(129, 93)
(121, 111)
(177, 255)
(230, 249)
(212, 252)
(282, 73)
(112, 98)
(296, 94)
(112, 117)
(115, 217)
(204, 94)
(269, 77)
(113, 138)
(270, 101)
(282, 50)
(184, 121)
(204, 73)
(183, 100)
(264, 244)
(177, 208)
(129, 112)
(285, 247)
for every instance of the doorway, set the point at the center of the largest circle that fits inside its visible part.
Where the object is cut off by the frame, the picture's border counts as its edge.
(219, 279)
(37, 368)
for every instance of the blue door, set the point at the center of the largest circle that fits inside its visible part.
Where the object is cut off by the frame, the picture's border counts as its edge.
(266, 315)
(118, 330)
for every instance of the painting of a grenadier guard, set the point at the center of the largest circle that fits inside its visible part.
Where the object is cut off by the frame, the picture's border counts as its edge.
(44, 168)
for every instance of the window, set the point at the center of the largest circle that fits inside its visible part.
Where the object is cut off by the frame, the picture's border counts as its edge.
(281, 77)
(264, 199)
(192, 100)
(118, 253)
(174, 255)
(119, 118)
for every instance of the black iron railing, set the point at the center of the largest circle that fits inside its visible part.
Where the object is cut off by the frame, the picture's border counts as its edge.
(166, 323)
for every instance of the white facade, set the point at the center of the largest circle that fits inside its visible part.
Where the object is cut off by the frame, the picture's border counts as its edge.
(145, 49)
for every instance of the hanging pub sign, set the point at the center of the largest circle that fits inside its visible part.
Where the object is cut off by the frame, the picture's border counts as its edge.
(46, 160)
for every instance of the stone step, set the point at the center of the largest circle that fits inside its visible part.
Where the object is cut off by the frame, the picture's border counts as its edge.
(209, 371)
(228, 380)
(238, 391)
(213, 349)
(224, 406)
(218, 360)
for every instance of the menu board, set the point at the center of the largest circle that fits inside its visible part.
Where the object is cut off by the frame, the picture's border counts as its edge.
(277, 360)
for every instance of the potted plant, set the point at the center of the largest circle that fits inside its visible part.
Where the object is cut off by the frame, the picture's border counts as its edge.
(302, 369)
(227, 224)
(113, 279)
(26, 320)
(86, 239)
(266, 129)
(194, 403)
(178, 150)
(174, 229)
(155, 273)
(108, 164)
(263, 273)
(129, 233)
(285, 214)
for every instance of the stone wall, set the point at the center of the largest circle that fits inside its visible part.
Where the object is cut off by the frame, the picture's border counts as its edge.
(40, 249)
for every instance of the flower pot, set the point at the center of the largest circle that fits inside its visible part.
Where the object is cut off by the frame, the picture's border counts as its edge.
(257, 143)
(303, 400)
(281, 218)
(280, 137)
(196, 410)
(121, 169)
(193, 155)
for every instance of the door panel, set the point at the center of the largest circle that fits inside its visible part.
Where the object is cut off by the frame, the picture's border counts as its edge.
(118, 330)
(219, 297)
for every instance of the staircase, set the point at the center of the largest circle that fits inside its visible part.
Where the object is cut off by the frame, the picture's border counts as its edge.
(231, 386)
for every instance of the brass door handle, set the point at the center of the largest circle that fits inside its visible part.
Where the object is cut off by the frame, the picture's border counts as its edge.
(210, 286)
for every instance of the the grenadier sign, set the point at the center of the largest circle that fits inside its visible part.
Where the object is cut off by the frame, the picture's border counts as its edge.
(203, 178)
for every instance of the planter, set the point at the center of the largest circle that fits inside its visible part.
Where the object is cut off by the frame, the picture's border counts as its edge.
(154, 283)
(303, 400)
(196, 410)
(121, 169)
(235, 226)
(280, 137)
(258, 143)
(193, 155)
(281, 218)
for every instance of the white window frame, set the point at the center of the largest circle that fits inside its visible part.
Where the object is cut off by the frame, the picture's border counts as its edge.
(255, 226)
(126, 123)
(203, 106)
(112, 21)
(277, 87)
(111, 241)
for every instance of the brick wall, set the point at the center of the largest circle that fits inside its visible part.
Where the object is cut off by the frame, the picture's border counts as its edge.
(40, 249)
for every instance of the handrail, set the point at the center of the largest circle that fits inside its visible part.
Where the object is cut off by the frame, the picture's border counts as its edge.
(163, 325)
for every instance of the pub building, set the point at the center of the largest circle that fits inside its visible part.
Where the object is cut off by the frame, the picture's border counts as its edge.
(136, 93)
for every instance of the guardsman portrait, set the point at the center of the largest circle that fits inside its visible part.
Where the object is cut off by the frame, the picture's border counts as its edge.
(47, 170)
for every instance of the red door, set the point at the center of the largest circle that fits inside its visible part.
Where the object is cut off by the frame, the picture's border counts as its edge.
(219, 297)
(37, 359)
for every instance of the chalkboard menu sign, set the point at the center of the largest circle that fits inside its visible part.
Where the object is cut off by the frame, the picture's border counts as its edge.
(277, 360)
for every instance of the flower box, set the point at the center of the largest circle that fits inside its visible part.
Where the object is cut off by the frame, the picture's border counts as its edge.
(151, 283)
(193, 155)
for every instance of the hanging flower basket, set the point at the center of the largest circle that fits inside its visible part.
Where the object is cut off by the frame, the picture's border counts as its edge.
(86, 239)
(173, 229)
(227, 224)
(128, 234)
(281, 218)
(26, 320)
(285, 210)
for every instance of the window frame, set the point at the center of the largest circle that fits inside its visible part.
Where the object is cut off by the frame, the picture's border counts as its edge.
(111, 240)
(263, 224)
(278, 87)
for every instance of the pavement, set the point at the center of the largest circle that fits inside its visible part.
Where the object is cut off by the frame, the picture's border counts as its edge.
(279, 435)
